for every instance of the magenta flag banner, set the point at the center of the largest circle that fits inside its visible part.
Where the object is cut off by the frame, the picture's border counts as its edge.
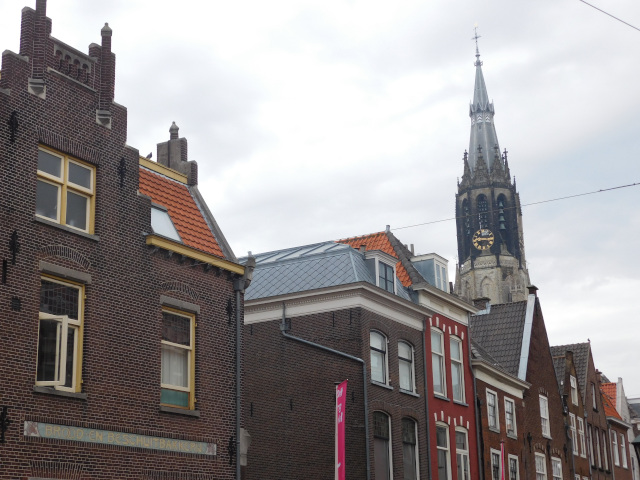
(341, 403)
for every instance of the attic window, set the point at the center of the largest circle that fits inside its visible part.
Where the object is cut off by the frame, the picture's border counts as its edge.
(162, 224)
(387, 277)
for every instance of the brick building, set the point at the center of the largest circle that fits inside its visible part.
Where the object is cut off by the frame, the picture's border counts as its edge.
(618, 431)
(514, 334)
(117, 284)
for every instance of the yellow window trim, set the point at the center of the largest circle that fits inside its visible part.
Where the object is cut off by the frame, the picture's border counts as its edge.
(166, 171)
(180, 249)
(192, 361)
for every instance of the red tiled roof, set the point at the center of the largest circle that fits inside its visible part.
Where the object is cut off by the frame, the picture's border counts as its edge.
(609, 408)
(379, 241)
(611, 390)
(184, 212)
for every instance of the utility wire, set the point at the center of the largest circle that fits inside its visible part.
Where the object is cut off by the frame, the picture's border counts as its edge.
(602, 190)
(600, 10)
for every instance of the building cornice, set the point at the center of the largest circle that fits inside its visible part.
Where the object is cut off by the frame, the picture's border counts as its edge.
(162, 170)
(490, 374)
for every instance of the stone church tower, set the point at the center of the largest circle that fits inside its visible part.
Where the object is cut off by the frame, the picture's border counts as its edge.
(491, 260)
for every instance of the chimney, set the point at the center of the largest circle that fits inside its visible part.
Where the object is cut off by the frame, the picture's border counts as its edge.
(533, 290)
(107, 78)
(173, 154)
(36, 85)
(363, 248)
(483, 303)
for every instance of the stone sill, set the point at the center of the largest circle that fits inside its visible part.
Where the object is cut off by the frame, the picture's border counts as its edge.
(59, 393)
(180, 411)
(383, 385)
(67, 229)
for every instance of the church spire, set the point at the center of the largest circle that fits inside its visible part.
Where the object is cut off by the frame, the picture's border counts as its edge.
(481, 113)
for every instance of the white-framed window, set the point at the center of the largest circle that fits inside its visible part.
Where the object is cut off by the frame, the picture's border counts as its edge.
(510, 417)
(544, 416)
(541, 467)
(574, 389)
(576, 477)
(556, 468)
(462, 453)
(178, 359)
(386, 277)
(65, 191)
(593, 397)
(605, 457)
(496, 467)
(623, 451)
(514, 469)
(410, 449)
(378, 343)
(382, 445)
(437, 362)
(592, 452)
(574, 436)
(162, 224)
(457, 370)
(614, 449)
(406, 367)
(598, 451)
(444, 453)
(492, 410)
(583, 449)
(60, 329)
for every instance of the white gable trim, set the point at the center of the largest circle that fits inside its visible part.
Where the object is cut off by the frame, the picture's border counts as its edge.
(526, 337)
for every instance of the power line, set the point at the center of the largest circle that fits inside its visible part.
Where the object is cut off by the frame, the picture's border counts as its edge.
(602, 190)
(606, 13)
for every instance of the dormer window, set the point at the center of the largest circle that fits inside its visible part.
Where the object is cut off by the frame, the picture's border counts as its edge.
(433, 268)
(162, 224)
(387, 277)
(382, 267)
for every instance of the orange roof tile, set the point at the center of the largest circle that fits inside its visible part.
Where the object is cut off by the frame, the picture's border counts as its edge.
(182, 208)
(611, 390)
(609, 408)
(379, 241)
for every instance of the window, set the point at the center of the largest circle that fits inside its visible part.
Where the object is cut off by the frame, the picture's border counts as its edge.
(378, 357)
(583, 449)
(457, 372)
(574, 436)
(409, 449)
(178, 365)
(444, 458)
(514, 471)
(495, 465)
(591, 449)
(544, 416)
(437, 362)
(556, 467)
(614, 449)
(405, 365)
(462, 454)
(574, 389)
(387, 277)
(541, 467)
(623, 451)
(510, 417)
(604, 451)
(60, 335)
(492, 410)
(381, 453)
(594, 403)
(162, 224)
(576, 477)
(65, 190)
(598, 453)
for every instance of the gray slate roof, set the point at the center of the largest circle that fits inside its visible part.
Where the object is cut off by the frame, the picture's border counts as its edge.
(499, 333)
(309, 267)
(479, 353)
(581, 352)
(559, 364)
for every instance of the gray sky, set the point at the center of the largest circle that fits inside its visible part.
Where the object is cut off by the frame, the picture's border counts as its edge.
(314, 120)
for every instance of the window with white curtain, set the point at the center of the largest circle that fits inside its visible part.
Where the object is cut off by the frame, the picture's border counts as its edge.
(541, 467)
(544, 416)
(556, 466)
(378, 343)
(492, 410)
(623, 451)
(583, 449)
(437, 362)
(574, 389)
(457, 371)
(178, 338)
(614, 449)
(405, 366)
(574, 436)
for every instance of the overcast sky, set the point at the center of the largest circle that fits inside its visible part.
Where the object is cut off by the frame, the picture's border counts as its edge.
(315, 120)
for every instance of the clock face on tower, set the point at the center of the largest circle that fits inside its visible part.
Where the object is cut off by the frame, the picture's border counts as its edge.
(483, 239)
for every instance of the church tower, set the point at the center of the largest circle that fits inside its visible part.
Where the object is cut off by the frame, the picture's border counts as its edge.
(491, 260)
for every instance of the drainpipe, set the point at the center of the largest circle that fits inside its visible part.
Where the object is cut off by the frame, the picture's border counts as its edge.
(426, 395)
(283, 329)
(240, 284)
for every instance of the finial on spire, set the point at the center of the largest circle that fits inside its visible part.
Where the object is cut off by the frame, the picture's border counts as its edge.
(476, 37)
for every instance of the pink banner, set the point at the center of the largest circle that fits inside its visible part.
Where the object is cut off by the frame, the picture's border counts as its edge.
(341, 403)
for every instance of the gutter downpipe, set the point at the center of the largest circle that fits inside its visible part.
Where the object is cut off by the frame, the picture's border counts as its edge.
(240, 284)
(426, 395)
(345, 355)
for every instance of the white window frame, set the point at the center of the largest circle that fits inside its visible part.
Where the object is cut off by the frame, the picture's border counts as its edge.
(541, 466)
(446, 449)
(614, 449)
(556, 468)
(596, 433)
(496, 426)
(514, 432)
(604, 450)
(493, 453)
(438, 362)
(623, 451)
(411, 364)
(463, 454)
(459, 362)
(380, 269)
(574, 432)
(511, 458)
(574, 389)
(64, 324)
(544, 416)
(385, 357)
(592, 453)
(191, 351)
(583, 448)
(593, 397)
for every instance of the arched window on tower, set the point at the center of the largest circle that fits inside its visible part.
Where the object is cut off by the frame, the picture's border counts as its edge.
(483, 211)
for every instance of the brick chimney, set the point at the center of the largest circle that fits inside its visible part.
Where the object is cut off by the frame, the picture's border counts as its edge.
(38, 45)
(173, 154)
(483, 303)
(533, 290)
(106, 82)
